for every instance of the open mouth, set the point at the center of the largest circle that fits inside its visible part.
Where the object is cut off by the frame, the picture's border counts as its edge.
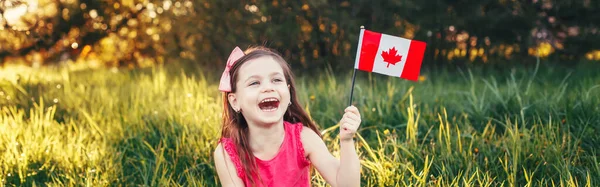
(269, 104)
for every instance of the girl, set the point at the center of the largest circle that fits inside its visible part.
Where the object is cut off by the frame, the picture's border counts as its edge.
(267, 138)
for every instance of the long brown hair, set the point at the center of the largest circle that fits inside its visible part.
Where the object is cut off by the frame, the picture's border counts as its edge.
(235, 126)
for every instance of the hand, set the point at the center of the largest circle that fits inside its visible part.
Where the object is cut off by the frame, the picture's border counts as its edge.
(349, 123)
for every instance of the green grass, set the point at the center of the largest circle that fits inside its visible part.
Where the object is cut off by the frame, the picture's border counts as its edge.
(158, 127)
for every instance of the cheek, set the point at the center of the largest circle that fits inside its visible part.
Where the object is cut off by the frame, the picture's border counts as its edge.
(250, 99)
(286, 94)
(246, 97)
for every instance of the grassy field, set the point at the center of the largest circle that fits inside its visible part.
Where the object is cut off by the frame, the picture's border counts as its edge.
(158, 126)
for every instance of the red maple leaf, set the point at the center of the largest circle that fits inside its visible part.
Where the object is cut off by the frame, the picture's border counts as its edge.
(391, 57)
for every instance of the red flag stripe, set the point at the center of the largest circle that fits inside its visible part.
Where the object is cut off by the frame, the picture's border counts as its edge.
(369, 48)
(412, 68)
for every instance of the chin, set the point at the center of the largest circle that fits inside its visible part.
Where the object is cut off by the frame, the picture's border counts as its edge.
(270, 119)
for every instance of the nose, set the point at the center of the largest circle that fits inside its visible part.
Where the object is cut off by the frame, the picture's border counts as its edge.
(267, 87)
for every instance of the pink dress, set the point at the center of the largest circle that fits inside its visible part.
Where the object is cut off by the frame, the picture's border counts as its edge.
(288, 168)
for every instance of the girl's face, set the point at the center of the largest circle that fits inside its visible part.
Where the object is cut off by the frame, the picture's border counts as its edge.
(262, 93)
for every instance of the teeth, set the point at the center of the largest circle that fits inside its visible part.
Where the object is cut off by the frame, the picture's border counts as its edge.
(268, 100)
(270, 110)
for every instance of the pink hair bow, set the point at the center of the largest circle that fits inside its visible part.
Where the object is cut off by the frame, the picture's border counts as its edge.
(225, 84)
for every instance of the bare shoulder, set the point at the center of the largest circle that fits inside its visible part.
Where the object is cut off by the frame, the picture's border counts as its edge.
(319, 155)
(219, 151)
(225, 168)
(308, 133)
(221, 158)
(310, 140)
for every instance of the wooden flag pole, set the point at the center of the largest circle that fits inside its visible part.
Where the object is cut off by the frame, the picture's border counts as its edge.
(354, 73)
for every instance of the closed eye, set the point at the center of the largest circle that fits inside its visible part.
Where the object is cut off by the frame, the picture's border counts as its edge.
(278, 80)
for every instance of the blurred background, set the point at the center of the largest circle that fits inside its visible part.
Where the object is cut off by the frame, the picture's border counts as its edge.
(309, 33)
(124, 92)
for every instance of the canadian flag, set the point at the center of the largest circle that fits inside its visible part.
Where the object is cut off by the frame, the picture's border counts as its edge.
(389, 55)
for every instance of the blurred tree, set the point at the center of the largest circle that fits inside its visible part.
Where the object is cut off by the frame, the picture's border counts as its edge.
(113, 32)
(310, 33)
(574, 24)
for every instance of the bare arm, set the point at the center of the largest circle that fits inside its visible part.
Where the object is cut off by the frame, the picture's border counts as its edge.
(225, 169)
(349, 170)
(343, 172)
(321, 158)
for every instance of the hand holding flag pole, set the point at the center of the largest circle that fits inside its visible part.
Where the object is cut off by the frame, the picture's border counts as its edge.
(388, 55)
